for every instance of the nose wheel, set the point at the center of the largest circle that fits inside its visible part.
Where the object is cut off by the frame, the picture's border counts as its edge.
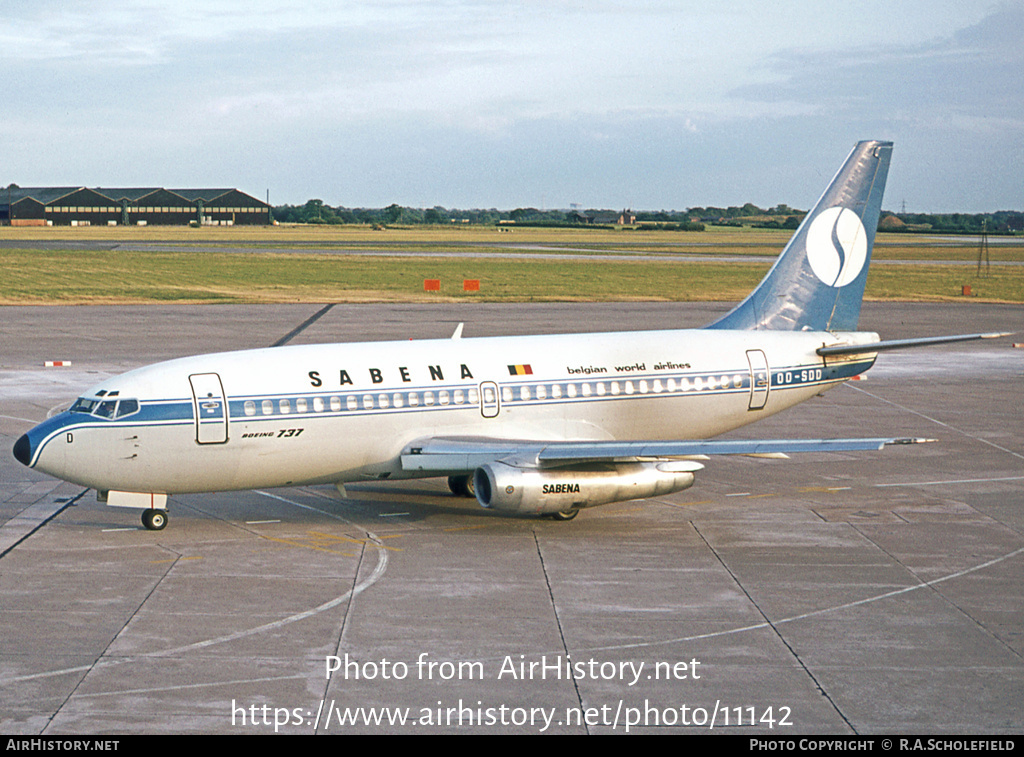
(154, 520)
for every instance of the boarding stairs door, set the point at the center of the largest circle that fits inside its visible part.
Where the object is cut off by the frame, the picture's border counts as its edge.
(210, 408)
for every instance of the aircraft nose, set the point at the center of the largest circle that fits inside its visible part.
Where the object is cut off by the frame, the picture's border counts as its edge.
(23, 450)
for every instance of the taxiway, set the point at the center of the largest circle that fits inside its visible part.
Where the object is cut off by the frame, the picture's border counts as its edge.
(830, 593)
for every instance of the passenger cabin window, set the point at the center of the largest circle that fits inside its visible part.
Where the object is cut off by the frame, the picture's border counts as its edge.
(250, 407)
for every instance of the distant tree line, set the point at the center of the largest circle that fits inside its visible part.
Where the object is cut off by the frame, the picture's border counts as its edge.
(692, 219)
(749, 210)
(1000, 222)
(316, 212)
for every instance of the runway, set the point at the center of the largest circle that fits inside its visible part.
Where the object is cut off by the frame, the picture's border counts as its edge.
(857, 593)
(638, 252)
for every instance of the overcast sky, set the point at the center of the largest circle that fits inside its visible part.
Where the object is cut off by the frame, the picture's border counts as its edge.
(462, 103)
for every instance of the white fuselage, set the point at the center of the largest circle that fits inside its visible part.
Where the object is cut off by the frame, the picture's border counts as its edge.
(344, 412)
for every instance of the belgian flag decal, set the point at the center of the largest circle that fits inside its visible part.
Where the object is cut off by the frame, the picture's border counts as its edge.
(520, 370)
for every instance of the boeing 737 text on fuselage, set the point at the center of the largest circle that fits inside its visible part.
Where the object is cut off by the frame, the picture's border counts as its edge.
(543, 425)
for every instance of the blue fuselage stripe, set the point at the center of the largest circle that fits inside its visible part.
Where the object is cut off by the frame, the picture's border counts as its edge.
(179, 411)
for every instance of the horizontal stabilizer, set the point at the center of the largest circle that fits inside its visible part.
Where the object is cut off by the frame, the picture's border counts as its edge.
(901, 344)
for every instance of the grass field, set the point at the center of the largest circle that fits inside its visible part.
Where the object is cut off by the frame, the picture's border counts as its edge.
(355, 264)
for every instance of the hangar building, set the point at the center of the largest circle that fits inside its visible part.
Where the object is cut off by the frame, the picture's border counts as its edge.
(82, 206)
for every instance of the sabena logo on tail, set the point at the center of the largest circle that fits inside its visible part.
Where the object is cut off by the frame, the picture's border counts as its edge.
(837, 246)
(817, 283)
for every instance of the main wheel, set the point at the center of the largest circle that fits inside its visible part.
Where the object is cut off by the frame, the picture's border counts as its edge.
(154, 520)
(461, 486)
(565, 514)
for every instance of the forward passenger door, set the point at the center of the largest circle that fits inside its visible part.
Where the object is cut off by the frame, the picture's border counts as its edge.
(210, 408)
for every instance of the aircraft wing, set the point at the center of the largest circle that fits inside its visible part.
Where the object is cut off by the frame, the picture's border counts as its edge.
(465, 454)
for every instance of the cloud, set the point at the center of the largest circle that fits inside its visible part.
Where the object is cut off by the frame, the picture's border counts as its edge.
(971, 72)
(448, 101)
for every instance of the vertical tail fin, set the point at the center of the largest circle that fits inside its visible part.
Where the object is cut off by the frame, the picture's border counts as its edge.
(817, 283)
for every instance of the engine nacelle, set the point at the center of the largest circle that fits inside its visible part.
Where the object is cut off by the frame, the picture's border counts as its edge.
(542, 491)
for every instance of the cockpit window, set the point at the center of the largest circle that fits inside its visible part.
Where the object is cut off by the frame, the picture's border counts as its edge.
(110, 408)
(127, 407)
(82, 405)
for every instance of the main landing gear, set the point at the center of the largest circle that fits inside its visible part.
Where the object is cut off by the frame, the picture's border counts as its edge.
(154, 520)
(564, 515)
(461, 486)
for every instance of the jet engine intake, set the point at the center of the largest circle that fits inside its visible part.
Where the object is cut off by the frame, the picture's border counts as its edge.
(545, 491)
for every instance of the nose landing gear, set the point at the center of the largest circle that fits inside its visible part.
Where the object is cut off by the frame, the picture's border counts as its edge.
(154, 520)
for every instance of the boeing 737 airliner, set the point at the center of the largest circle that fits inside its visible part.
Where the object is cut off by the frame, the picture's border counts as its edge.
(544, 425)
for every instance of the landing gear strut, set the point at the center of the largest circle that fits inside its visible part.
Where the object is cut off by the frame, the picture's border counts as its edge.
(154, 520)
(461, 486)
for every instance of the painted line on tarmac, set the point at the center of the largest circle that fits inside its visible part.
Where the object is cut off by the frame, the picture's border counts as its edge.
(953, 481)
(32, 518)
(822, 611)
(374, 577)
(302, 326)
